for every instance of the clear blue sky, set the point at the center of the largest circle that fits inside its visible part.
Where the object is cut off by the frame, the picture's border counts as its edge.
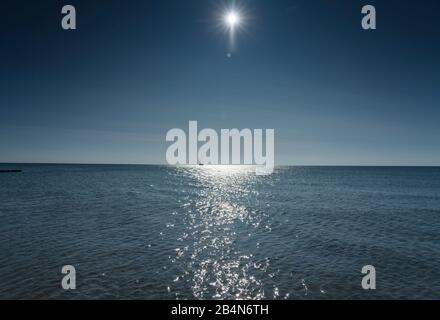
(109, 91)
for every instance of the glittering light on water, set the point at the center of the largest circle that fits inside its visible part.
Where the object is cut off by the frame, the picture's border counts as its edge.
(217, 217)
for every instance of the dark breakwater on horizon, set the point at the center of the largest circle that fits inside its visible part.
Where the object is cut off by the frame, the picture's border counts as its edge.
(152, 232)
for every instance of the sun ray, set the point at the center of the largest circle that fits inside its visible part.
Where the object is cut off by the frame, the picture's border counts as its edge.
(232, 21)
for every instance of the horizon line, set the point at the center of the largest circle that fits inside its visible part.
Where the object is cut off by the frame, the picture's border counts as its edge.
(167, 165)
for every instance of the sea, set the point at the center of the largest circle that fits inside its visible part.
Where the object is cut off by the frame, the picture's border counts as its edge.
(219, 233)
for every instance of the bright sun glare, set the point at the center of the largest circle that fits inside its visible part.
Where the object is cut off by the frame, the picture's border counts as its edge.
(232, 19)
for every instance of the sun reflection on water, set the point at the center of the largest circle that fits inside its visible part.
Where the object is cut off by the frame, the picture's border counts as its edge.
(219, 223)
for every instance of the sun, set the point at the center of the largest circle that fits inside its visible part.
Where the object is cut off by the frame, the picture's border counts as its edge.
(232, 19)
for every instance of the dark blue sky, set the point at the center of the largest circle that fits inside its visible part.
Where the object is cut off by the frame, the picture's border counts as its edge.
(109, 91)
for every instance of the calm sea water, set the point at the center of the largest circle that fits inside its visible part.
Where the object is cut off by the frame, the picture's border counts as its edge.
(151, 232)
